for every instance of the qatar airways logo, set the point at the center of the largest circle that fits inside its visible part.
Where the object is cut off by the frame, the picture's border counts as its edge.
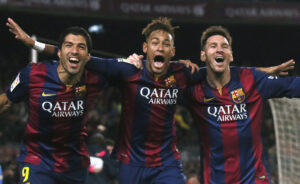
(64, 109)
(160, 95)
(227, 113)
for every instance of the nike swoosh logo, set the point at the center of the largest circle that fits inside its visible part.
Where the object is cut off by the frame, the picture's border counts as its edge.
(261, 177)
(44, 94)
(208, 99)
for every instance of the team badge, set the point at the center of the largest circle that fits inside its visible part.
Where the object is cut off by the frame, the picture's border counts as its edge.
(80, 91)
(15, 83)
(238, 95)
(170, 81)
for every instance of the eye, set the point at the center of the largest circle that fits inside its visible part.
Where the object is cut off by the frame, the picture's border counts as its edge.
(167, 44)
(68, 45)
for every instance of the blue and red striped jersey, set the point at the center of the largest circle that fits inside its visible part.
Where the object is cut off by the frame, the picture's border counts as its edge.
(55, 135)
(229, 124)
(147, 132)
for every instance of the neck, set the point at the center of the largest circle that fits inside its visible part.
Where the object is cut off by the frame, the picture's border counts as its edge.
(155, 75)
(218, 80)
(67, 78)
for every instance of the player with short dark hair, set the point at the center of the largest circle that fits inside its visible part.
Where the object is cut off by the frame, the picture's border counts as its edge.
(227, 109)
(59, 95)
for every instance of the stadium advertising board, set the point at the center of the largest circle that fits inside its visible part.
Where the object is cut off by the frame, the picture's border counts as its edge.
(239, 12)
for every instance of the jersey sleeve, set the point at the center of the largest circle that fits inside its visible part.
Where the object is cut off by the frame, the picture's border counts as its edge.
(18, 90)
(196, 77)
(115, 68)
(276, 87)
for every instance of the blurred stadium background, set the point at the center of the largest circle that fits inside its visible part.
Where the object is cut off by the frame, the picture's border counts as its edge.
(265, 33)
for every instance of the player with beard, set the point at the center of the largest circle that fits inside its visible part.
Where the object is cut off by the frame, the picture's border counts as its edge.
(227, 109)
(146, 146)
(59, 95)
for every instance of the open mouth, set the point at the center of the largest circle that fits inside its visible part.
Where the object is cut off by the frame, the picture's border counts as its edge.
(159, 61)
(219, 59)
(74, 60)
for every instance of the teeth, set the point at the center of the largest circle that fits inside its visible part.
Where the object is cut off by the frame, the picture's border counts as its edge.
(74, 59)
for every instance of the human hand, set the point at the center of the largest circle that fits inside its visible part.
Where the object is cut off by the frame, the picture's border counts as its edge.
(19, 33)
(188, 63)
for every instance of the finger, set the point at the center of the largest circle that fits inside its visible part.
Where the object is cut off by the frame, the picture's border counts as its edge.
(283, 73)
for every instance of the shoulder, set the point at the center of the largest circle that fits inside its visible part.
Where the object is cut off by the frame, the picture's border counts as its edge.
(44, 64)
(177, 66)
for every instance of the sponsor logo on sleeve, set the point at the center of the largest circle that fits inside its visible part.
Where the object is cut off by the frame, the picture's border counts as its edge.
(15, 83)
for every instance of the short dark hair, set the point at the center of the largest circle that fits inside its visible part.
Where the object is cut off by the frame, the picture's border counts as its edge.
(76, 31)
(215, 30)
(161, 23)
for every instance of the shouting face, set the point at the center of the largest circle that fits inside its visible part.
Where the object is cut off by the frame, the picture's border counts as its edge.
(217, 54)
(159, 49)
(73, 55)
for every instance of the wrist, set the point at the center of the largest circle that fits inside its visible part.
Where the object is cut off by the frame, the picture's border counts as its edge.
(39, 46)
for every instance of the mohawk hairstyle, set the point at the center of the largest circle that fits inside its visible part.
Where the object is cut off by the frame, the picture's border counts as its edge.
(215, 30)
(162, 23)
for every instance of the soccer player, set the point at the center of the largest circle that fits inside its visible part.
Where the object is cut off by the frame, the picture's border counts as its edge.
(146, 146)
(227, 109)
(59, 94)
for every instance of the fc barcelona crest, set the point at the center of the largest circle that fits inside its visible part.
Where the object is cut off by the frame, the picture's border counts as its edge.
(238, 95)
(170, 81)
(80, 91)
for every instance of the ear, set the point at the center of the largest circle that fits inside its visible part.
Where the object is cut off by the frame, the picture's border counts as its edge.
(59, 53)
(173, 51)
(88, 57)
(145, 47)
(202, 56)
(231, 57)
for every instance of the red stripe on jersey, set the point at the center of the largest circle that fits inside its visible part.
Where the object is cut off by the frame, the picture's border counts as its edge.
(174, 143)
(203, 128)
(59, 154)
(181, 81)
(154, 136)
(128, 106)
(255, 112)
(230, 141)
(92, 91)
(38, 72)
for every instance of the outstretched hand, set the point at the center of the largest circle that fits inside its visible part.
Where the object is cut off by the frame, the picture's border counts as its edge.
(188, 63)
(19, 33)
(281, 69)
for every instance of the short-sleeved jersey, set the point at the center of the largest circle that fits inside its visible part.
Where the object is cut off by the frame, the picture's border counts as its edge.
(147, 132)
(55, 135)
(229, 124)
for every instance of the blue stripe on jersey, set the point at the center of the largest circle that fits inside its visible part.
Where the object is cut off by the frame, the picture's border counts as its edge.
(244, 132)
(215, 138)
(167, 132)
(139, 132)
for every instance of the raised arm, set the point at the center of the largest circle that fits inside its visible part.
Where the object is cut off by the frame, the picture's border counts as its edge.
(4, 102)
(22, 36)
(281, 69)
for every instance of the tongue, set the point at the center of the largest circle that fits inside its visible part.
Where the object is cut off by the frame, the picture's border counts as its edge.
(158, 64)
(73, 64)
